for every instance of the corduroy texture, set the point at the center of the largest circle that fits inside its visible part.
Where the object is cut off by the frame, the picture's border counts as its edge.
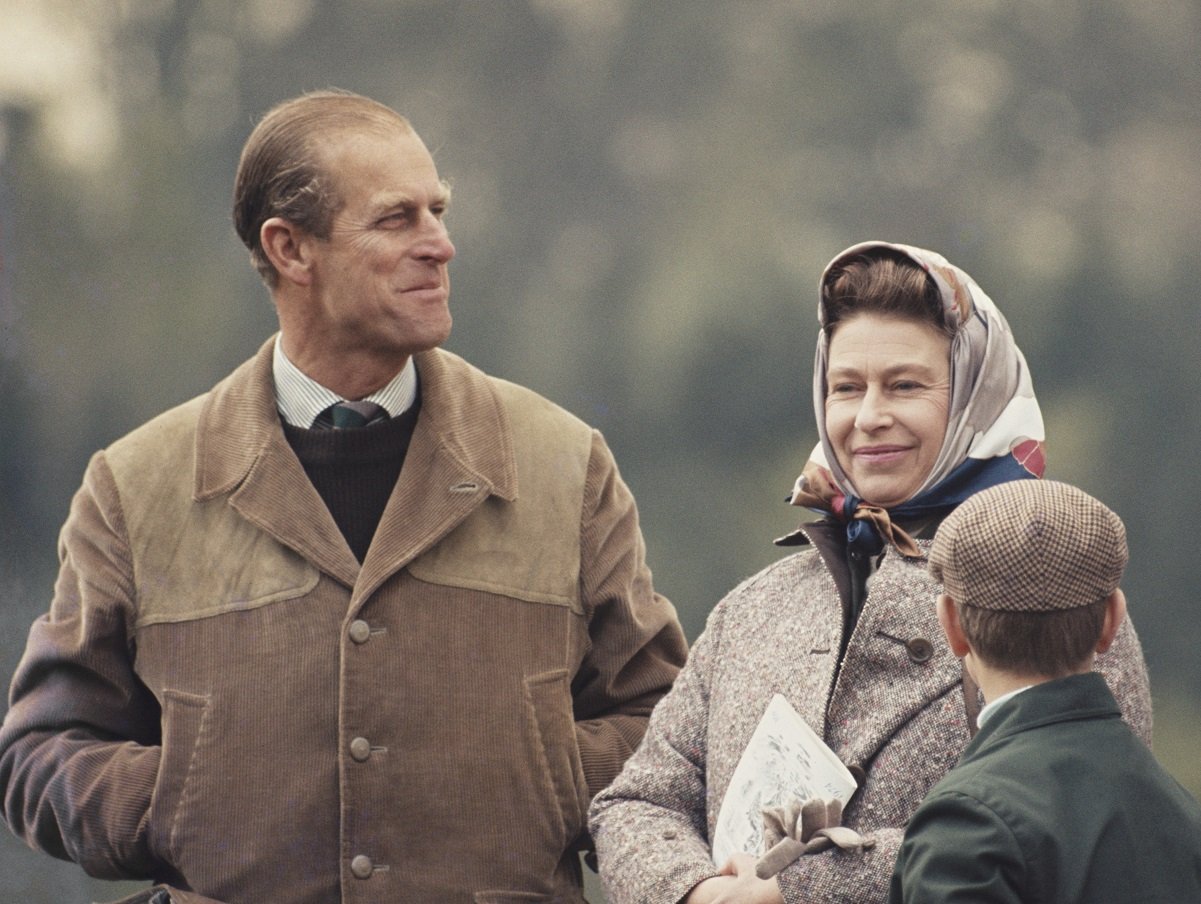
(897, 716)
(162, 894)
(223, 700)
(354, 471)
(1030, 546)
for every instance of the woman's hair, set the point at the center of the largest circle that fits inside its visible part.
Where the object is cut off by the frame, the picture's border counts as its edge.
(282, 172)
(1051, 644)
(881, 282)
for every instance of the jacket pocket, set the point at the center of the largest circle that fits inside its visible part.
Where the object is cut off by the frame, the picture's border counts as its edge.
(549, 697)
(183, 721)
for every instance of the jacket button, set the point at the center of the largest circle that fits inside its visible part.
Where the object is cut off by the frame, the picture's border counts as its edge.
(361, 866)
(360, 631)
(920, 649)
(360, 749)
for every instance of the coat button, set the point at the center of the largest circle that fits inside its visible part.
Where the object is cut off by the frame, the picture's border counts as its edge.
(920, 649)
(360, 749)
(360, 631)
(362, 866)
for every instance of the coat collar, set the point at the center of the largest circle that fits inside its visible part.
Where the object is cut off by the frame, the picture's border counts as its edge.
(461, 453)
(1069, 699)
(238, 424)
(462, 412)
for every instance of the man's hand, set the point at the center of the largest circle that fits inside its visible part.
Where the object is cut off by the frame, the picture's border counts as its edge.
(737, 884)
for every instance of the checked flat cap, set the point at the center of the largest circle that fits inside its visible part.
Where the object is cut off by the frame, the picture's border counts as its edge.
(1030, 546)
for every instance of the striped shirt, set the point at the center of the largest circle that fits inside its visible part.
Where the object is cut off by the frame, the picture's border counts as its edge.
(301, 398)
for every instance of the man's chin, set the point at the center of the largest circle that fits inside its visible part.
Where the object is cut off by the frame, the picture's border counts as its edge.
(428, 339)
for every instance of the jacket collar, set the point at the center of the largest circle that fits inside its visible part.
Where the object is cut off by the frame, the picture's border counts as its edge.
(462, 413)
(461, 453)
(1069, 699)
(236, 426)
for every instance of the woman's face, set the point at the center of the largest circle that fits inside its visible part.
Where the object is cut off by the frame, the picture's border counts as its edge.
(888, 386)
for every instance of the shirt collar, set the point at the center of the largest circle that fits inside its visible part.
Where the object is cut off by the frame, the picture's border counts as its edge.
(992, 707)
(300, 398)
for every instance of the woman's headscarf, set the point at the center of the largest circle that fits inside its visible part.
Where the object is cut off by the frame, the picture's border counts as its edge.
(994, 426)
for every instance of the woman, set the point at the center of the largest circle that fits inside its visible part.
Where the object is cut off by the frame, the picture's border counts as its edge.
(922, 398)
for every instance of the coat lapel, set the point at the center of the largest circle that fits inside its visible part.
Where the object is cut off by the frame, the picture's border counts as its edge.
(884, 681)
(241, 451)
(461, 453)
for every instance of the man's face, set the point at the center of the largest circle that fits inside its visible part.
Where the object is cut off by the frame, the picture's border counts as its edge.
(380, 281)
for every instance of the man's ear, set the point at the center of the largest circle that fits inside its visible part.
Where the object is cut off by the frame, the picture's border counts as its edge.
(948, 617)
(1115, 614)
(285, 246)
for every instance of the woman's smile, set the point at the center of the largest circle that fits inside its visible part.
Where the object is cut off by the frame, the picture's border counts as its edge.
(879, 455)
(887, 397)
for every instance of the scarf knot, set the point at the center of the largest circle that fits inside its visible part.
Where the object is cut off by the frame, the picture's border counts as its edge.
(870, 528)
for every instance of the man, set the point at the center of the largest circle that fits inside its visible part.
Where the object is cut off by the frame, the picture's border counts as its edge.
(278, 665)
(1055, 799)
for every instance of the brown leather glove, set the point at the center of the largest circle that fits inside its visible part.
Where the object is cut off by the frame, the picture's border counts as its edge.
(795, 829)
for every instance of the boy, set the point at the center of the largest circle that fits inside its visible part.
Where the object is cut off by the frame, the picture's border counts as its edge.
(1054, 800)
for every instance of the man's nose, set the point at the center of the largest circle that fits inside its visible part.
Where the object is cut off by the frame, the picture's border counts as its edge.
(435, 243)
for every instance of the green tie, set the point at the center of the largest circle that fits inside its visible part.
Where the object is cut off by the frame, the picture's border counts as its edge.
(350, 415)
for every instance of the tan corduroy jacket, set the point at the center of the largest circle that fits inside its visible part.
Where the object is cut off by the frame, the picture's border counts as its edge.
(222, 699)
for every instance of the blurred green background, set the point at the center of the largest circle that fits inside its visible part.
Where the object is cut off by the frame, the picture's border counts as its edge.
(645, 193)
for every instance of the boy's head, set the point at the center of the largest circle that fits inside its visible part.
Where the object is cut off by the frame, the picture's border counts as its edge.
(1030, 566)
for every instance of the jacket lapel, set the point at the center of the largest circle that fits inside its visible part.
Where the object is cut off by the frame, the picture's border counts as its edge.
(460, 455)
(884, 681)
(241, 451)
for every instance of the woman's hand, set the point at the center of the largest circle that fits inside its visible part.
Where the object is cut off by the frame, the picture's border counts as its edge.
(736, 884)
(708, 890)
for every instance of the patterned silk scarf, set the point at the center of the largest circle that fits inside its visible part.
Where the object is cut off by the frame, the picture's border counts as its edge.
(994, 427)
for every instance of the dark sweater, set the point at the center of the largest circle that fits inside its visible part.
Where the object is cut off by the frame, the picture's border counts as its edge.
(354, 471)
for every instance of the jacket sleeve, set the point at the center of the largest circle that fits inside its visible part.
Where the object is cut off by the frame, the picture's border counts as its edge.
(650, 825)
(165, 894)
(941, 860)
(636, 644)
(78, 747)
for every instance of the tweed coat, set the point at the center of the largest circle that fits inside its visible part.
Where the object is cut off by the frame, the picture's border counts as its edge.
(1054, 802)
(893, 712)
(223, 700)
